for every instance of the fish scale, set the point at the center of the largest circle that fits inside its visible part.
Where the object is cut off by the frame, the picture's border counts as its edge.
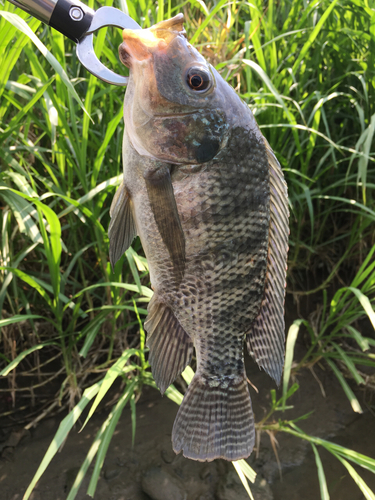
(225, 250)
(228, 299)
(207, 197)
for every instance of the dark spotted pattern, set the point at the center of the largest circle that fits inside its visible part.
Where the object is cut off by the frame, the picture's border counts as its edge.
(224, 209)
(224, 212)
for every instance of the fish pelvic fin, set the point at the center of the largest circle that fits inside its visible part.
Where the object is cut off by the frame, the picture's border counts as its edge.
(266, 338)
(170, 346)
(122, 229)
(215, 421)
(163, 205)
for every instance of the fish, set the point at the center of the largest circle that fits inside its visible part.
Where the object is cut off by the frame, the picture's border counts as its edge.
(207, 197)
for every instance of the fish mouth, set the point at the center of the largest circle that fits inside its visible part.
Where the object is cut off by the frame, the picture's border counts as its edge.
(140, 44)
(124, 55)
(139, 47)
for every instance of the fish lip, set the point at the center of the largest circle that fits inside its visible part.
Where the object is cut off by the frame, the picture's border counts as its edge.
(124, 55)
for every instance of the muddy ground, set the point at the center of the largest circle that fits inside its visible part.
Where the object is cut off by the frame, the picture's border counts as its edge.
(150, 470)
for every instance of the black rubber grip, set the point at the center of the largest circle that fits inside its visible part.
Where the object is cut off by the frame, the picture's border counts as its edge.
(62, 21)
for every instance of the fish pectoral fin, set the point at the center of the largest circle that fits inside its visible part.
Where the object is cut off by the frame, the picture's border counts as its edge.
(171, 348)
(163, 206)
(265, 340)
(122, 229)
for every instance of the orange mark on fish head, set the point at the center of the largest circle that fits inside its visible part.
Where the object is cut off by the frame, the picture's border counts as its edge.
(134, 47)
(139, 45)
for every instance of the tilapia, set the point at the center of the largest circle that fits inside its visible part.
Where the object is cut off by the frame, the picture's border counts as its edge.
(206, 195)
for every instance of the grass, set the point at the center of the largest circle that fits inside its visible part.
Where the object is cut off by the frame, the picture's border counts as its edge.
(306, 69)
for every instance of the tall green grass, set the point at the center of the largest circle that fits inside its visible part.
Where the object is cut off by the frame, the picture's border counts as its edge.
(307, 71)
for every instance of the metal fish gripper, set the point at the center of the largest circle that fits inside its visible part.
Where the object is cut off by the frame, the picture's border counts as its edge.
(78, 22)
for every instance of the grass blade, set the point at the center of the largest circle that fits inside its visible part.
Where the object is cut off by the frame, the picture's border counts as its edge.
(107, 435)
(313, 35)
(247, 470)
(64, 428)
(172, 393)
(25, 353)
(21, 25)
(214, 11)
(243, 479)
(349, 363)
(365, 303)
(86, 463)
(108, 380)
(30, 281)
(114, 181)
(324, 495)
(361, 341)
(188, 374)
(133, 269)
(90, 332)
(289, 354)
(133, 288)
(23, 212)
(368, 494)
(349, 393)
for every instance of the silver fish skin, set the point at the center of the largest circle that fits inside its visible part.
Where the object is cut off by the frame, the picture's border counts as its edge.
(205, 193)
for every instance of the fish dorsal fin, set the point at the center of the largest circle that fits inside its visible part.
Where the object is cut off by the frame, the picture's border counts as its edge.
(171, 348)
(163, 206)
(122, 229)
(265, 340)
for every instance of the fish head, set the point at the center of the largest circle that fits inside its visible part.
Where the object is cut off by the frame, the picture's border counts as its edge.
(176, 106)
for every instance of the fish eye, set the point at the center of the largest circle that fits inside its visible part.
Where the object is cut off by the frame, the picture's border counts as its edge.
(198, 79)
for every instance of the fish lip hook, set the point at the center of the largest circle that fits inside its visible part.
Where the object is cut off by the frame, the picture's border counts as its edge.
(105, 16)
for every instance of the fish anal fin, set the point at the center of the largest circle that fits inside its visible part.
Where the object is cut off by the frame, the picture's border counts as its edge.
(266, 337)
(164, 207)
(122, 229)
(214, 421)
(171, 348)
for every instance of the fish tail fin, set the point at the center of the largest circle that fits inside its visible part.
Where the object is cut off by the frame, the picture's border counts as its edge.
(215, 422)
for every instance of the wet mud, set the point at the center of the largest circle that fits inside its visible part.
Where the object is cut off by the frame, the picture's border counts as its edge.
(151, 470)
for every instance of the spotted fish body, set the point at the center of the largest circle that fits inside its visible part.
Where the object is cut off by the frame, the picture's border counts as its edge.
(206, 195)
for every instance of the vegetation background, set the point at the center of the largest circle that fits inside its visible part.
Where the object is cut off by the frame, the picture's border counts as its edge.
(70, 325)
